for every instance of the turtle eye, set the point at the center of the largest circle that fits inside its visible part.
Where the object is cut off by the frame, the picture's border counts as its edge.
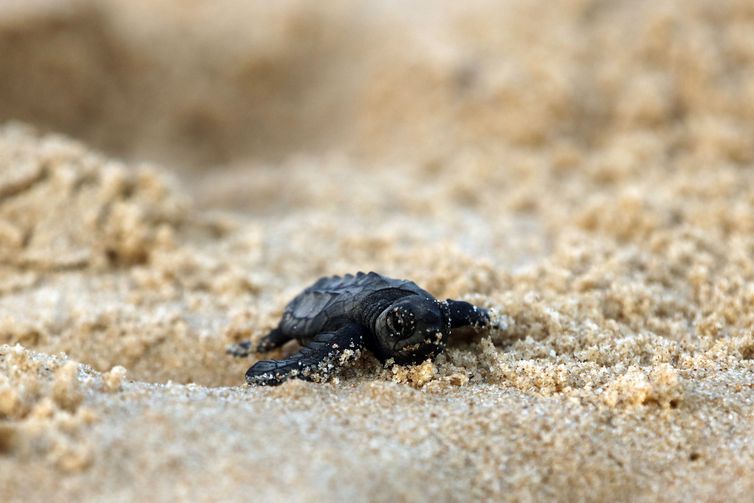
(399, 322)
(395, 322)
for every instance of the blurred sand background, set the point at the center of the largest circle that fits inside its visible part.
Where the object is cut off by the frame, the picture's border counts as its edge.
(173, 172)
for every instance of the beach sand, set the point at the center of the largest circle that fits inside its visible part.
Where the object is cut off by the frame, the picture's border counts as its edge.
(172, 173)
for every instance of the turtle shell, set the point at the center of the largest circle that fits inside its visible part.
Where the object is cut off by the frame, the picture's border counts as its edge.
(333, 299)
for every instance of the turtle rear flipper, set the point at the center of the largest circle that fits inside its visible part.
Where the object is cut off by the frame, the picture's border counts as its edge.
(315, 361)
(239, 349)
(273, 340)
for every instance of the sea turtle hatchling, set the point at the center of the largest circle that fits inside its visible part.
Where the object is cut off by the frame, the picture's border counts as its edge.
(336, 317)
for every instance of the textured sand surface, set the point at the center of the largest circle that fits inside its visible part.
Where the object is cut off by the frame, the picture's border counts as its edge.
(584, 169)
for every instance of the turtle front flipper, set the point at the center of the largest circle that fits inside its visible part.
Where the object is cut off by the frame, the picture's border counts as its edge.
(315, 361)
(463, 314)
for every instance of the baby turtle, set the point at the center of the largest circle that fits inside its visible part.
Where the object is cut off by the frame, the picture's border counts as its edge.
(338, 316)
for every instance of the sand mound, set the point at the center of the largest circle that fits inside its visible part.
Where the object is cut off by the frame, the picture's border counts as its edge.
(65, 208)
(62, 206)
(40, 403)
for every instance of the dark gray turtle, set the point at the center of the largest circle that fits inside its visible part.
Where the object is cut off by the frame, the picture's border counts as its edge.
(336, 317)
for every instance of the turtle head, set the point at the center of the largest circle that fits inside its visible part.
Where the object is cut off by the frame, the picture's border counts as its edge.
(412, 329)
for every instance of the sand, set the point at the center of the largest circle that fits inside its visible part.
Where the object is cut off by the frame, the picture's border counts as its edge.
(172, 173)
